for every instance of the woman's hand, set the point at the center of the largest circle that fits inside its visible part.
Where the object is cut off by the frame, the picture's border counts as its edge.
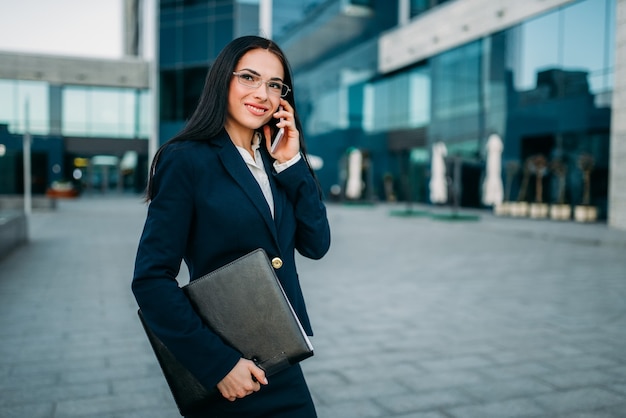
(244, 379)
(289, 146)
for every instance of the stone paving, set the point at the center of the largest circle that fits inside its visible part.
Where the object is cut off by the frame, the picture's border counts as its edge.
(415, 317)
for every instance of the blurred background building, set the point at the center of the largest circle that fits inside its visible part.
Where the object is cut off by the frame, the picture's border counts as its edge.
(89, 119)
(391, 79)
(385, 79)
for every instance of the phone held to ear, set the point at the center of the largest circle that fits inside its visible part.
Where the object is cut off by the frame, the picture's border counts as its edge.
(277, 136)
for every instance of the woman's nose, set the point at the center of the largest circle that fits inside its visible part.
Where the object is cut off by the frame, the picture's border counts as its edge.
(261, 91)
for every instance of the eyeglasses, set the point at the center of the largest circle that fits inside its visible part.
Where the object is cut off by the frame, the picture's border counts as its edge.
(253, 81)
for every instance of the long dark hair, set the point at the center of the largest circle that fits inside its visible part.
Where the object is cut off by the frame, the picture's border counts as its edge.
(209, 117)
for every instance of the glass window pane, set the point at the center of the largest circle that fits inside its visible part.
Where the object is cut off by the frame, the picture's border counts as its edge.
(457, 82)
(583, 35)
(167, 45)
(105, 112)
(103, 115)
(398, 102)
(419, 6)
(610, 33)
(112, 113)
(8, 115)
(34, 93)
(419, 93)
(74, 111)
(127, 113)
(145, 114)
(537, 50)
(195, 42)
(325, 116)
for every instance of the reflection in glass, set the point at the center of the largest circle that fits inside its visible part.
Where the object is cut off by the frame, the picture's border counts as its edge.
(17, 96)
(105, 112)
(75, 110)
(398, 102)
(534, 47)
(7, 108)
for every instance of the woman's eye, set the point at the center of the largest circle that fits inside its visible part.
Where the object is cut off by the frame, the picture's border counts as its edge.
(275, 85)
(248, 77)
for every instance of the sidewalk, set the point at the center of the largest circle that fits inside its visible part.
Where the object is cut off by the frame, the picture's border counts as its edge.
(414, 318)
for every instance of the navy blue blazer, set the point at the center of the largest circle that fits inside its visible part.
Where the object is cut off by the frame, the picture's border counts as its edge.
(207, 209)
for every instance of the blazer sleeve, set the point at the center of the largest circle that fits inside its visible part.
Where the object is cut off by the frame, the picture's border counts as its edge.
(161, 249)
(312, 238)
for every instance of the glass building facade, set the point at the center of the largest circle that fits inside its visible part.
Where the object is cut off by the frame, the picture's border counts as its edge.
(92, 119)
(191, 35)
(544, 85)
(87, 111)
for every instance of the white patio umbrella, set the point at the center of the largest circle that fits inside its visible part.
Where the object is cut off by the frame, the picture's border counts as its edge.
(438, 183)
(354, 185)
(492, 185)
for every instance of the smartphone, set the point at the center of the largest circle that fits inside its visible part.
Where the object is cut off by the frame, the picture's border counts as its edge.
(277, 136)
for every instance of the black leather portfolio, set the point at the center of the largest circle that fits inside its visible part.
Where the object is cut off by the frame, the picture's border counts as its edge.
(244, 303)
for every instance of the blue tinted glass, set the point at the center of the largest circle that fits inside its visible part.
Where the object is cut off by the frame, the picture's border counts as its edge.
(611, 12)
(8, 111)
(195, 42)
(398, 102)
(112, 113)
(144, 122)
(535, 47)
(419, 6)
(103, 112)
(419, 93)
(32, 106)
(75, 118)
(167, 46)
(223, 34)
(367, 3)
(457, 83)
(584, 41)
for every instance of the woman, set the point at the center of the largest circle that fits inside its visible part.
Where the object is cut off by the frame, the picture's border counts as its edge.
(216, 193)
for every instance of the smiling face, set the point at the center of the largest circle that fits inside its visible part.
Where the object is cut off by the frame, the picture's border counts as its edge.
(249, 108)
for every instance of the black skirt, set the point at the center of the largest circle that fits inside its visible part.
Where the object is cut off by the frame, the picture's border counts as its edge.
(286, 396)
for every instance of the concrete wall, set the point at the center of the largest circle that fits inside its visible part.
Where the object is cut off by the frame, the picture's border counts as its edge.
(617, 170)
(465, 21)
(13, 232)
(16, 203)
(126, 72)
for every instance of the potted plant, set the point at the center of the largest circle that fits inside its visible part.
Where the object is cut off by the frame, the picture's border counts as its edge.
(520, 208)
(62, 189)
(585, 212)
(511, 169)
(560, 210)
(538, 166)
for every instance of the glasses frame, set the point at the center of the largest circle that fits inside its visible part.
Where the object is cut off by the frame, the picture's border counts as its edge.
(285, 90)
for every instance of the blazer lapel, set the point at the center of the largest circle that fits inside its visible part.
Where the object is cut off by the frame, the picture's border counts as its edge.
(276, 193)
(239, 171)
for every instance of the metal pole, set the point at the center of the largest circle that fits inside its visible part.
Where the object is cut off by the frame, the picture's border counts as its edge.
(153, 142)
(404, 11)
(265, 18)
(28, 205)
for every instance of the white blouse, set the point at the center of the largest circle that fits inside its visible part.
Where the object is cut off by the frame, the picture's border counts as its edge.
(258, 169)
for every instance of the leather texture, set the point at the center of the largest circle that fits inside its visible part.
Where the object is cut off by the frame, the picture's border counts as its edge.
(188, 393)
(245, 305)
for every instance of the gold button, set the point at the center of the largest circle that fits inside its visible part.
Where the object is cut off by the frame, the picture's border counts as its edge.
(277, 263)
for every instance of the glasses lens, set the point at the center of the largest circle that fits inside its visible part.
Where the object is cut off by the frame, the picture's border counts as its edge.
(254, 81)
(248, 79)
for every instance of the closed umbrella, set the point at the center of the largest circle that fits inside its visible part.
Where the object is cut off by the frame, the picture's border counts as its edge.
(354, 185)
(438, 184)
(492, 185)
